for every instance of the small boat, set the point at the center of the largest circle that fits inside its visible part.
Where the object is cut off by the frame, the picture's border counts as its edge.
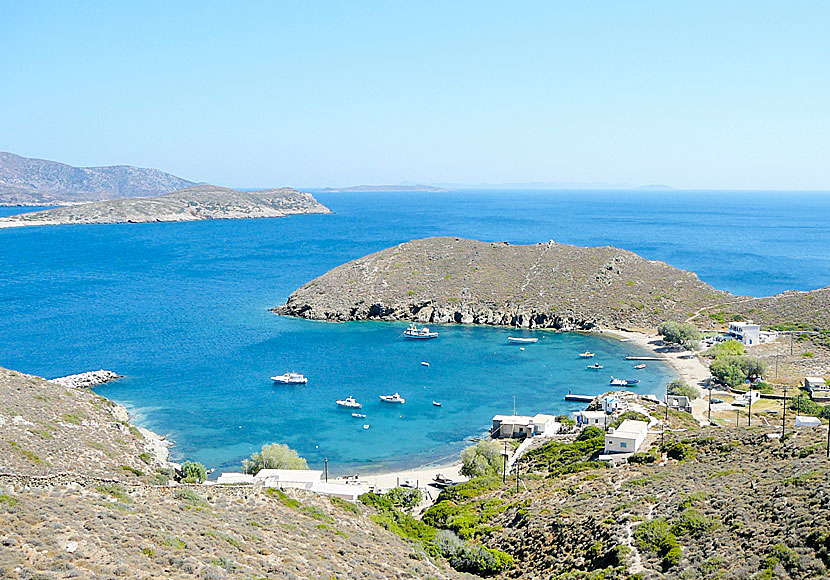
(436, 404)
(349, 402)
(595, 366)
(640, 366)
(365, 426)
(521, 348)
(618, 382)
(414, 332)
(424, 363)
(626, 339)
(396, 398)
(442, 481)
(522, 340)
(359, 415)
(586, 354)
(290, 379)
(631, 382)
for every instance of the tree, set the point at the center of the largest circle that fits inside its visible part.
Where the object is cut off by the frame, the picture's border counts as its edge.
(736, 370)
(729, 347)
(679, 387)
(681, 333)
(274, 456)
(193, 472)
(404, 497)
(484, 458)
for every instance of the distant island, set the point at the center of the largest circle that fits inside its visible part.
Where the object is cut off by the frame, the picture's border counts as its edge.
(25, 181)
(198, 202)
(372, 188)
(546, 285)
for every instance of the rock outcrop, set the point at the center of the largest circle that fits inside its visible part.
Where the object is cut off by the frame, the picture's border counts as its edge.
(549, 285)
(200, 202)
(86, 380)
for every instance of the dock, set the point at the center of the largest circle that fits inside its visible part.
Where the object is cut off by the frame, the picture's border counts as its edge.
(630, 357)
(580, 398)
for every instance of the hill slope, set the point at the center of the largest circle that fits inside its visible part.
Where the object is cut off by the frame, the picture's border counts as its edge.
(539, 286)
(39, 181)
(200, 202)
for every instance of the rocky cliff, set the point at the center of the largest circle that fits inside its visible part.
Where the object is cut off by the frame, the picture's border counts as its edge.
(200, 202)
(550, 285)
(38, 181)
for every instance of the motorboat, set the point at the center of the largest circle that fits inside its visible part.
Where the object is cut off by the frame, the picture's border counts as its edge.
(365, 426)
(595, 366)
(586, 354)
(522, 340)
(290, 379)
(436, 404)
(396, 398)
(424, 363)
(414, 332)
(640, 366)
(359, 415)
(442, 481)
(349, 402)
(618, 382)
(631, 382)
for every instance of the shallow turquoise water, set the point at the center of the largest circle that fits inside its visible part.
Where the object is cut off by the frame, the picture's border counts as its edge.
(182, 311)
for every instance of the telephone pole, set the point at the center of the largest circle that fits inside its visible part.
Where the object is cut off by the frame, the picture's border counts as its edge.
(784, 416)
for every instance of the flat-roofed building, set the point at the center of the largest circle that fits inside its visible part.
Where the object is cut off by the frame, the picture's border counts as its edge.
(627, 438)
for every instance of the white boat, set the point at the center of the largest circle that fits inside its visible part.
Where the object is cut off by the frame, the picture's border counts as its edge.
(349, 402)
(618, 382)
(414, 332)
(595, 366)
(359, 415)
(290, 379)
(522, 340)
(365, 426)
(424, 363)
(640, 366)
(396, 398)
(586, 354)
(436, 403)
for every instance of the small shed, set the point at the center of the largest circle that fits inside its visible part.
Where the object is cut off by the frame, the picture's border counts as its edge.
(627, 438)
(807, 421)
(301, 478)
(518, 426)
(679, 403)
(817, 387)
(587, 418)
(235, 478)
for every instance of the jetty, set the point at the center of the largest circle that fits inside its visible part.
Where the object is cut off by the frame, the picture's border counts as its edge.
(632, 357)
(579, 398)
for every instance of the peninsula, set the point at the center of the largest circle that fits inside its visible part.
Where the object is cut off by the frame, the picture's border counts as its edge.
(546, 285)
(25, 181)
(198, 202)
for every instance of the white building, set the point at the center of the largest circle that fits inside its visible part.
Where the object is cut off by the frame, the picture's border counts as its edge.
(588, 418)
(746, 332)
(517, 426)
(284, 478)
(235, 479)
(807, 421)
(610, 404)
(679, 403)
(627, 438)
(819, 391)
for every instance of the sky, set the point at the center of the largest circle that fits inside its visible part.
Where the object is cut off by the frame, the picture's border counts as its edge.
(720, 94)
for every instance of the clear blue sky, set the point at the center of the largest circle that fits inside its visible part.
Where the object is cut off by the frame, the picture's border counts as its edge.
(695, 94)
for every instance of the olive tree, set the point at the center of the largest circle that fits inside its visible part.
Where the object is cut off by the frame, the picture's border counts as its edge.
(483, 458)
(681, 333)
(274, 456)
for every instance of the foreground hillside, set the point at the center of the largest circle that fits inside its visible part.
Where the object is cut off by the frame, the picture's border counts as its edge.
(42, 182)
(547, 285)
(200, 202)
(81, 497)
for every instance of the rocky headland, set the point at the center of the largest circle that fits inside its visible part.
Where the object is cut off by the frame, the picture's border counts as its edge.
(26, 181)
(199, 202)
(546, 285)
(86, 380)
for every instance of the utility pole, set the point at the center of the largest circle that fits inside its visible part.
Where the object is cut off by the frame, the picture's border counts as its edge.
(784, 416)
(504, 467)
(776, 359)
(517, 475)
(749, 414)
(666, 422)
(710, 404)
(828, 440)
(326, 463)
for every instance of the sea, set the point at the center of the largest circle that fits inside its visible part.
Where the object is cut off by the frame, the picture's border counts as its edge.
(182, 311)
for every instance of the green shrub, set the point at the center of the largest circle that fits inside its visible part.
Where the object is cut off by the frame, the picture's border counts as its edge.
(680, 388)
(283, 497)
(274, 456)
(680, 333)
(193, 472)
(404, 497)
(736, 370)
(345, 505)
(133, 470)
(729, 347)
(481, 459)
(693, 523)
(672, 557)
(678, 450)
(627, 416)
(650, 456)
(806, 406)
(655, 536)
(471, 558)
(115, 491)
(191, 497)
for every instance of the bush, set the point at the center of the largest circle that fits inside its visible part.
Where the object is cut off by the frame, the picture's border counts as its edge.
(481, 459)
(193, 472)
(632, 415)
(729, 347)
(404, 497)
(680, 388)
(274, 456)
(643, 458)
(692, 523)
(736, 370)
(679, 451)
(591, 432)
(681, 333)
(806, 406)
(471, 558)
(656, 536)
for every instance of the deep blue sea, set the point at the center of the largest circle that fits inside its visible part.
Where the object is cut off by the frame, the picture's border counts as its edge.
(182, 311)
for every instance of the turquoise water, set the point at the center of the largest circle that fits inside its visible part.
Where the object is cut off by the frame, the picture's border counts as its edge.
(182, 311)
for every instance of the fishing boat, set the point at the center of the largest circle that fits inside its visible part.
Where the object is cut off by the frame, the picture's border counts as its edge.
(396, 398)
(290, 379)
(441, 480)
(618, 382)
(586, 354)
(522, 340)
(424, 363)
(359, 415)
(631, 382)
(436, 403)
(414, 332)
(365, 426)
(595, 366)
(349, 402)
(640, 366)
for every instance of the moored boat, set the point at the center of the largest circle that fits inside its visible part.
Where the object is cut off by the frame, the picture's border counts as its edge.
(586, 354)
(349, 402)
(424, 363)
(290, 379)
(396, 398)
(618, 382)
(595, 366)
(522, 340)
(414, 332)
(640, 366)
(359, 415)
(436, 403)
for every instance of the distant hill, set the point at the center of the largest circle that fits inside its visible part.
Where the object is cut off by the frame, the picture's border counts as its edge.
(371, 188)
(25, 181)
(198, 202)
